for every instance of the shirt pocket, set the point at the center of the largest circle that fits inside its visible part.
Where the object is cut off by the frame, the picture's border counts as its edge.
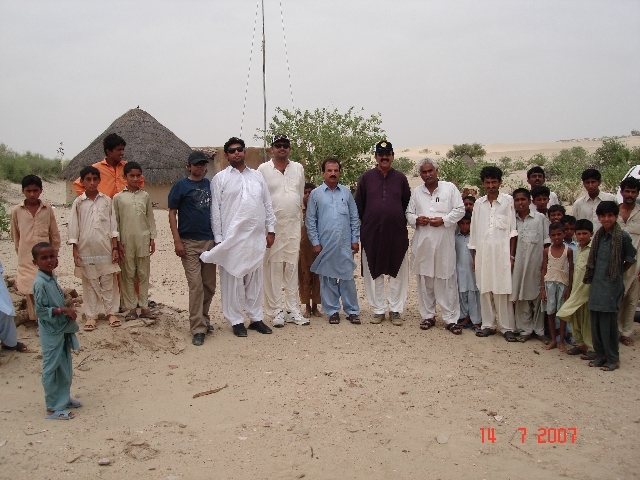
(528, 236)
(502, 222)
(343, 208)
(104, 214)
(141, 208)
(254, 188)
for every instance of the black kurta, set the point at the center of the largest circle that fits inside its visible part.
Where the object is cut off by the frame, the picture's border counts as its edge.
(382, 202)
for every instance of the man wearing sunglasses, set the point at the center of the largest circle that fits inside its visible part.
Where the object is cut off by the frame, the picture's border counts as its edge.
(241, 216)
(285, 180)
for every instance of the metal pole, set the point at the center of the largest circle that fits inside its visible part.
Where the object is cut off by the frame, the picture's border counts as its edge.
(264, 88)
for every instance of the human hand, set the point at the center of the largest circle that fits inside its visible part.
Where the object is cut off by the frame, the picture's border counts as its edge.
(317, 249)
(77, 259)
(69, 312)
(422, 221)
(121, 250)
(152, 246)
(355, 248)
(115, 256)
(271, 237)
(543, 295)
(436, 221)
(179, 248)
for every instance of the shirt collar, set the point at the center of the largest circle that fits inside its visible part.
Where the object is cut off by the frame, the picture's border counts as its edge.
(486, 199)
(84, 195)
(48, 278)
(326, 187)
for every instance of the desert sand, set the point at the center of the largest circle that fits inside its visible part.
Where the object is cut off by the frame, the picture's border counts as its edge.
(321, 401)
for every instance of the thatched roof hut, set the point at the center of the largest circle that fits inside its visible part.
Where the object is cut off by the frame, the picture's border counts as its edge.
(161, 153)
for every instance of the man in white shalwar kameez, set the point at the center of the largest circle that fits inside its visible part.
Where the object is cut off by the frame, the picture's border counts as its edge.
(285, 180)
(241, 216)
(434, 210)
(493, 243)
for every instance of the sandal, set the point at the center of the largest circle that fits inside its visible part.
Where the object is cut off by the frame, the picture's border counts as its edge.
(73, 403)
(609, 367)
(575, 351)
(354, 318)
(151, 315)
(523, 338)
(90, 325)
(588, 356)
(626, 341)
(485, 332)
(510, 337)
(334, 319)
(130, 316)
(427, 324)
(60, 415)
(454, 328)
(598, 362)
(114, 321)
(19, 347)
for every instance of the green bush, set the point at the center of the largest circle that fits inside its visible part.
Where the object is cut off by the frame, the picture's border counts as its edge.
(14, 166)
(474, 150)
(462, 175)
(404, 165)
(4, 220)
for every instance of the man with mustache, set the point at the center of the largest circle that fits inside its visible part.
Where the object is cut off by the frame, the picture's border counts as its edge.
(382, 197)
(629, 220)
(333, 227)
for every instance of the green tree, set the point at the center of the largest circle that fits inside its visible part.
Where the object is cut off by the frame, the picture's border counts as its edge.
(328, 133)
(474, 150)
(404, 165)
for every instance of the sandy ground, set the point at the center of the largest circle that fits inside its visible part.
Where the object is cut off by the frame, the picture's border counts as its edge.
(323, 401)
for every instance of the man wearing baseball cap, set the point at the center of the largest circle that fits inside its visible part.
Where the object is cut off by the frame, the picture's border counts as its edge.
(285, 180)
(382, 197)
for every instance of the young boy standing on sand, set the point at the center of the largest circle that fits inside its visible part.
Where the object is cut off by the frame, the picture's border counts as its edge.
(57, 325)
(612, 253)
(493, 245)
(532, 234)
(93, 232)
(137, 229)
(540, 196)
(585, 207)
(557, 277)
(576, 309)
(308, 282)
(32, 221)
(468, 294)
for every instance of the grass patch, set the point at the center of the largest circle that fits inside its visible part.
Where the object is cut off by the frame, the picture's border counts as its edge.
(14, 166)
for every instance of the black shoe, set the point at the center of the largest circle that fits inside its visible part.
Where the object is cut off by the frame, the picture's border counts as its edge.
(198, 339)
(260, 327)
(239, 330)
(210, 328)
(151, 304)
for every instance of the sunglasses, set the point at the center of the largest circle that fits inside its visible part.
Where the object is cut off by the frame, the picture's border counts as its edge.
(236, 149)
(281, 145)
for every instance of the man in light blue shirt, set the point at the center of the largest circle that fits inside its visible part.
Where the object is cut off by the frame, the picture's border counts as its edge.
(333, 227)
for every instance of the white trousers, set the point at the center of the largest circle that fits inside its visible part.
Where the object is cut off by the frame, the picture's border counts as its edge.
(276, 276)
(240, 294)
(100, 295)
(396, 290)
(443, 291)
(497, 312)
(529, 317)
(627, 312)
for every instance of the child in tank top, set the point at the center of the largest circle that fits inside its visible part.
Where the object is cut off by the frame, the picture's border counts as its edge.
(557, 274)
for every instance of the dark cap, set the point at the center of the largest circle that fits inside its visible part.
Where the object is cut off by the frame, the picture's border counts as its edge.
(232, 141)
(384, 146)
(197, 157)
(280, 138)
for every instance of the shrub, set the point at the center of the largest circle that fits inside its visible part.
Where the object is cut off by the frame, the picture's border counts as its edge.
(404, 165)
(474, 150)
(15, 166)
(4, 220)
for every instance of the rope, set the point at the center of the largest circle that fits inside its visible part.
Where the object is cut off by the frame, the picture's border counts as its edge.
(286, 54)
(246, 90)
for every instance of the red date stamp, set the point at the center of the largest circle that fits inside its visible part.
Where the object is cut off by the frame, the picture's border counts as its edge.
(550, 435)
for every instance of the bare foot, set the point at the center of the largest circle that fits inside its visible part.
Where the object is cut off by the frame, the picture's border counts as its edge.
(626, 341)
(307, 312)
(316, 312)
(551, 346)
(562, 347)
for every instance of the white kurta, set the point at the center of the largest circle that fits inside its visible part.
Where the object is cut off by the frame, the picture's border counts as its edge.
(585, 207)
(433, 249)
(241, 216)
(286, 190)
(492, 226)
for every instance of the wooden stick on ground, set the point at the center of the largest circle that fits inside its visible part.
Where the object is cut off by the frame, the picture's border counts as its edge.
(209, 392)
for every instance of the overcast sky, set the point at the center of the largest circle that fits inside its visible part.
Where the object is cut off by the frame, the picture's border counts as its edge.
(437, 71)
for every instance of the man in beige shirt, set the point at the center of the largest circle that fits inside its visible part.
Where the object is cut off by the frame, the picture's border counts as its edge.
(285, 180)
(629, 220)
(585, 207)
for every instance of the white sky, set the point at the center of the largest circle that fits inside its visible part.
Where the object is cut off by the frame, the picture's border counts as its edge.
(437, 71)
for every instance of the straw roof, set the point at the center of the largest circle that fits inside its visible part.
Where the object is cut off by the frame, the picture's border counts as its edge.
(162, 155)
